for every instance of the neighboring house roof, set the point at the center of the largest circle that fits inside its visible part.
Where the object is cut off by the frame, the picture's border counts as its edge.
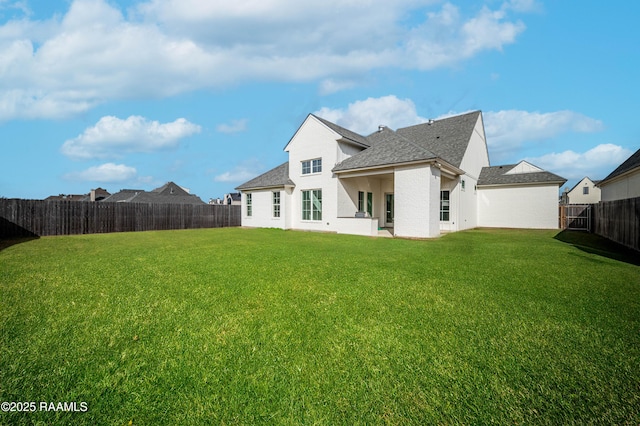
(276, 177)
(100, 194)
(124, 195)
(170, 193)
(629, 164)
(446, 139)
(499, 175)
(66, 197)
(171, 188)
(595, 182)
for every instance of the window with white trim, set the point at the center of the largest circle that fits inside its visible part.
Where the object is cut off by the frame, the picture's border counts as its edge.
(276, 204)
(444, 206)
(585, 190)
(312, 166)
(360, 201)
(249, 205)
(312, 204)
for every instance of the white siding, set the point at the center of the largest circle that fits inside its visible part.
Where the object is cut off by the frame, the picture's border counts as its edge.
(528, 206)
(625, 187)
(476, 156)
(417, 201)
(262, 209)
(465, 202)
(577, 196)
(314, 140)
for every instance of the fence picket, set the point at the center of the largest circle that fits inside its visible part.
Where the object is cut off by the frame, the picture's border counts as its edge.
(619, 221)
(38, 217)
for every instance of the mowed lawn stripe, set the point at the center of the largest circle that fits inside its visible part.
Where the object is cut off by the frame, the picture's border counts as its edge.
(268, 326)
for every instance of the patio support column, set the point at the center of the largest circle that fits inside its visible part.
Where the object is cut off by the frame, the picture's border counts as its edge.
(417, 201)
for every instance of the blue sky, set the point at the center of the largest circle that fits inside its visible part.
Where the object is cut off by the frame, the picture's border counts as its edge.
(132, 94)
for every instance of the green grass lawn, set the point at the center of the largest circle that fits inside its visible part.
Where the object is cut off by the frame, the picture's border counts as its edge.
(238, 326)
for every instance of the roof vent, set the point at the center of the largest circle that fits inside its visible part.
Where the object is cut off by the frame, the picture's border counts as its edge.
(430, 121)
(381, 128)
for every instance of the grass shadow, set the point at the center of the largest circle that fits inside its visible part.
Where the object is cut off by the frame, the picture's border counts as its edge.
(8, 242)
(12, 234)
(595, 244)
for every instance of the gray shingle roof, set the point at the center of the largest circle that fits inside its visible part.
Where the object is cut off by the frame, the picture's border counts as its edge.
(170, 193)
(496, 175)
(345, 133)
(123, 195)
(446, 139)
(388, 148)
(276, 177)
(628, 165)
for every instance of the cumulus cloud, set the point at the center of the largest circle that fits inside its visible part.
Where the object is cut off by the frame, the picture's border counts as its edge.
(447, 38)
(365, 116)
(235, 126)
(94, 53)
(242, 172)
(105, 173)
(596, 163)
(112, 136)
(507, 130)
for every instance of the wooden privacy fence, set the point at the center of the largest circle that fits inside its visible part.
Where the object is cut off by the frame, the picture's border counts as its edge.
(41, 218)
(619, 221)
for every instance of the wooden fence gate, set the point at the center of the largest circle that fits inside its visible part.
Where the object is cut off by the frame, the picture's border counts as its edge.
(576, 216)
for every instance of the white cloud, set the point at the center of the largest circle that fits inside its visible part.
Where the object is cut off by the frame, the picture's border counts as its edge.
(507, 130)
(105, 173)
(243, 172)
(93, 54)
(235, 126)
(364, 117)
(596, 163)
(446, 38)
(522, 5)
(112, 136)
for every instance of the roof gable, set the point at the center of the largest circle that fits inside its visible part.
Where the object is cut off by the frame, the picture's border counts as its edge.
(340, 132)
(524, 167)
(585, 180)
(346, 134)
(170, 188)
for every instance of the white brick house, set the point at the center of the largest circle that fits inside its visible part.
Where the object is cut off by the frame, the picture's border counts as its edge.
(416, 181)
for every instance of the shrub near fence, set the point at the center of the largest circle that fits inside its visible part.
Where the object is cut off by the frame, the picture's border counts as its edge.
(619, 221)
(41, 218)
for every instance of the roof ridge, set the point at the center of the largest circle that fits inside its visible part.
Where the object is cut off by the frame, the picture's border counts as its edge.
(343, 131)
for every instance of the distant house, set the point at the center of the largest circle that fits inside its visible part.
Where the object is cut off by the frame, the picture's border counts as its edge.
(416, 181)
(624, 181)
(584, 192)
(233, 199)
(97, 194)
(169, 193)
(67, 197)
